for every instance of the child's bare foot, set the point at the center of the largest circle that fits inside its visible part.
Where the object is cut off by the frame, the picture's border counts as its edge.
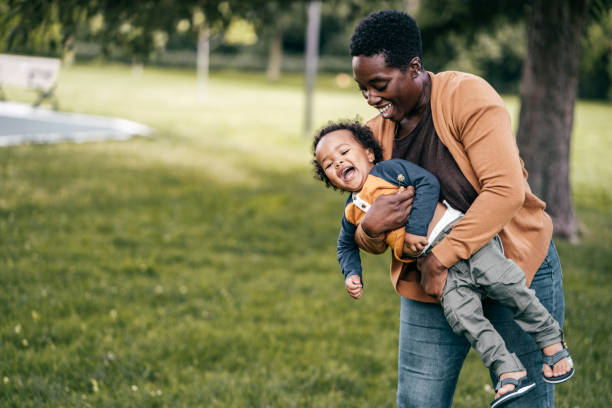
(509, 387)
(559, 368)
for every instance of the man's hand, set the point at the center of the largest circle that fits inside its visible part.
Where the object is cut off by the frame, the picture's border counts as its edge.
(353, 286)
(433, 275)
(388, 212)
(414, 245)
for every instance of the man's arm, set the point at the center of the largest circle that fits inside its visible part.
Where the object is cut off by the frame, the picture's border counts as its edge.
(387, 212)
(488, 142)
(483, 127)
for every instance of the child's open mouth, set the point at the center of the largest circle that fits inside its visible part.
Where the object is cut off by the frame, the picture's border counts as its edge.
(347, 174)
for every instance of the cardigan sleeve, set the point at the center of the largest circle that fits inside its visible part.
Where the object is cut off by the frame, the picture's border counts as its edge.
(367, 243)
(477, 119)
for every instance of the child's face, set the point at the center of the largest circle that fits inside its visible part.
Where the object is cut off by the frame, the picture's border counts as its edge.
(345, 161)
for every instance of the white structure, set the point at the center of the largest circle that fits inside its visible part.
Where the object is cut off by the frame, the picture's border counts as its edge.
(36, 73)
(20, 123)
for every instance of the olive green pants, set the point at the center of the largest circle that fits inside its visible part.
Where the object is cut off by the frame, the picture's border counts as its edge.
(488, 273)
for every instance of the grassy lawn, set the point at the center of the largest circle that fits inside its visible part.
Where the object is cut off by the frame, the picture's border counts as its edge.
(197, 267)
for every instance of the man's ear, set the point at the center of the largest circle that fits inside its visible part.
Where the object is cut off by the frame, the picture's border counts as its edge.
(415, 66)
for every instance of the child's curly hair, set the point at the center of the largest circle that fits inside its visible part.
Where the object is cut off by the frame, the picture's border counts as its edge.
(360, 132)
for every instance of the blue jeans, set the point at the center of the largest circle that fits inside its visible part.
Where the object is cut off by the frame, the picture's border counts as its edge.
(431, 355)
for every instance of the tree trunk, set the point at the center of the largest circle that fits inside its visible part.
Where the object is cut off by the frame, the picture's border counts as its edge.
(202, 62)
(548, 94)
(275, 56)
(69, 50)
(312, 53)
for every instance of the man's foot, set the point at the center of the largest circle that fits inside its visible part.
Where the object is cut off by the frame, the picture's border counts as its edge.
(509, 387)
(558, 366)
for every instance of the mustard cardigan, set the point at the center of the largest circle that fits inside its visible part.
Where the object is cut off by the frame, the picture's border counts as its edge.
(472, 121)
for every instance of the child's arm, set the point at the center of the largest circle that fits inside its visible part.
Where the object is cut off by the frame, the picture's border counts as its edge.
(426, 196)
(349, 259)
(426, 191)
(353, 286)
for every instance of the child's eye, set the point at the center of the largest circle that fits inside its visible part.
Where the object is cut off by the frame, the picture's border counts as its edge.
(382, 88)
(345, 151)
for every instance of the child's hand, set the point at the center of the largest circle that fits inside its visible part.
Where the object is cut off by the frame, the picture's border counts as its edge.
(353, 286)
(414, 244)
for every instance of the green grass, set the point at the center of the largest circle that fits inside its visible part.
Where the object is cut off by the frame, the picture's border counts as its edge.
(197, 268)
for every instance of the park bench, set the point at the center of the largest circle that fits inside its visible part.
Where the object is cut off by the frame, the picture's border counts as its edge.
(35, 73)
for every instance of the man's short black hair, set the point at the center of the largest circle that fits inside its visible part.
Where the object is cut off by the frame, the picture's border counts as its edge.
(390, 32)
(360, 132)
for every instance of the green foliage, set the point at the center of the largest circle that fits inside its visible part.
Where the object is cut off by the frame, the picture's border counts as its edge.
(483, 37)
(497, 56)
(446, 24)
(596, 61)
(124, 28)
(197, 268)
(488, 38)
(40, 27)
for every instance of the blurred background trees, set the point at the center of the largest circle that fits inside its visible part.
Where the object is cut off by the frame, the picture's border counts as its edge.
(486, 38)
(548, 52)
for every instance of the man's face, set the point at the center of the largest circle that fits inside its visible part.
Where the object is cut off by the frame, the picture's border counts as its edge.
(395, 94)
(345, 161)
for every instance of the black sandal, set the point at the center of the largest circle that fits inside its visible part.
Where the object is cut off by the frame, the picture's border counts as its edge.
(521, 387)
(554, 359)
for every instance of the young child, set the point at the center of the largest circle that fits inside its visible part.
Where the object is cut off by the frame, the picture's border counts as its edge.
(347, 157)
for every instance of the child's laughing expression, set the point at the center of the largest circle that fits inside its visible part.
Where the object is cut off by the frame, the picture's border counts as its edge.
(345, 161)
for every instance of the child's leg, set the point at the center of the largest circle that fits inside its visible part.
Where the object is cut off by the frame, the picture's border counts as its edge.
(502, 280)
(462, 305)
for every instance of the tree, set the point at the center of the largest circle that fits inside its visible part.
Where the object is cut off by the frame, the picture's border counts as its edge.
(50, 27)
(46, 27)
(548, 93)
(548, 85)
(131, 29)
(312, 53)
(271, 20)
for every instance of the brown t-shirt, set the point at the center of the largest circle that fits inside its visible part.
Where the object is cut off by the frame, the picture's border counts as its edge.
(424, 148)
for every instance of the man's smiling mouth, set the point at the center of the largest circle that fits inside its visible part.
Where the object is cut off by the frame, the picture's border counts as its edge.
(385, 109)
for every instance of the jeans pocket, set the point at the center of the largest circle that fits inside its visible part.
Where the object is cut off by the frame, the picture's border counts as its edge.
(545, 273)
